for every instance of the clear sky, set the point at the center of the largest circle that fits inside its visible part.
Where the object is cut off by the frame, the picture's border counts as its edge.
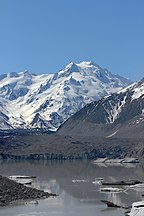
(43, 36)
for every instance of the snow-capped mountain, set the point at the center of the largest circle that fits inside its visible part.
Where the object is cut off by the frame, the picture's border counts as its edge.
(118, 115)
(48, 100)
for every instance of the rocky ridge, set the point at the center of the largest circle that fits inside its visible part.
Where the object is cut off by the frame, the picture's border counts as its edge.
(11, 192)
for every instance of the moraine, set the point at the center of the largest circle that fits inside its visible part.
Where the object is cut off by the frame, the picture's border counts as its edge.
(79, 197)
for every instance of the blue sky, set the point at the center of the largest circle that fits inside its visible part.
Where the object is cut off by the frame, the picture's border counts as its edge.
(43, 36)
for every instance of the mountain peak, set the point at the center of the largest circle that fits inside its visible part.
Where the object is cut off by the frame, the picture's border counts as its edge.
(84, 64)
(72, 67)
(86, 68)
(48, 101)
(70, 64)
(87, 64)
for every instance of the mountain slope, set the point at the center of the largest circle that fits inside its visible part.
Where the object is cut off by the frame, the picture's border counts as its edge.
(111, 127)
(46, 101)
(120, 115)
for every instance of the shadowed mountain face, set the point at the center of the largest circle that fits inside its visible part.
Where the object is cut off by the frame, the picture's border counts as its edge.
(46, 101)
(120, 115)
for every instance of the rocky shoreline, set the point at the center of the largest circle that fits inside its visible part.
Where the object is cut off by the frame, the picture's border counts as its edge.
(11, 192)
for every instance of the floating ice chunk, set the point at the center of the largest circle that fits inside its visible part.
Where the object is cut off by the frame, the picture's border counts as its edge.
(79, 180)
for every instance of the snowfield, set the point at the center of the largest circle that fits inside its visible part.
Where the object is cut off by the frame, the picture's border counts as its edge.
(48, 100)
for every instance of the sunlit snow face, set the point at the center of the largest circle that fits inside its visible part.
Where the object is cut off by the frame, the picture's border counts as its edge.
(54, 97)
(139, 91)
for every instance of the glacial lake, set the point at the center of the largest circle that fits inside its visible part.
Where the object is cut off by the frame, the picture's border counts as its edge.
(73, 182)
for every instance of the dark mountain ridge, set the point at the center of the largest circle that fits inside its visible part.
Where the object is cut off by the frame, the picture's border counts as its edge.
(118, 115)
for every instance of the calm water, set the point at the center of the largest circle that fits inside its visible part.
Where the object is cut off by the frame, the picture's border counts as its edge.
(75, 199)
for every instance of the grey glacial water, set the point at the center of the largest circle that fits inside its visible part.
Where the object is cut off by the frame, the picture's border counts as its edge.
(73, 182)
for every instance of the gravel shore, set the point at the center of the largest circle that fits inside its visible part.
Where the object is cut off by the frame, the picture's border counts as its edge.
(11, 192)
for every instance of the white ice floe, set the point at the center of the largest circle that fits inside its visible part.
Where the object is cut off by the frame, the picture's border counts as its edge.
(21, 179)
(141, 185)
(115, 160)
(111, 190)
(137, 209)
(97, 181)
(99, 160)
(138, 187)
(79, 180)
(130, 160)
(33, 202)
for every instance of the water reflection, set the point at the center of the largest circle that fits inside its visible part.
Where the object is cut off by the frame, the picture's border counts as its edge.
(79, 197)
